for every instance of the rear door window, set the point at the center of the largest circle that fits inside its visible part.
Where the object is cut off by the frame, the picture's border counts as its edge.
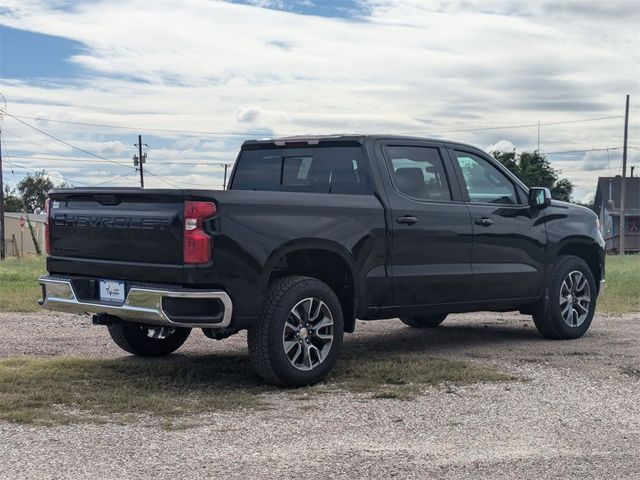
(418, 172)
(313, 169)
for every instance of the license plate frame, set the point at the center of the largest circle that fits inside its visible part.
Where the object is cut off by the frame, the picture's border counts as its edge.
(111, 291)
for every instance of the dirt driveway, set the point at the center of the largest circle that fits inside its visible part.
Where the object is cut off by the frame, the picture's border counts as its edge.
(574, 414)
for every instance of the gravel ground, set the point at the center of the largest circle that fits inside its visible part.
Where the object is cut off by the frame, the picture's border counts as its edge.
(576, 414)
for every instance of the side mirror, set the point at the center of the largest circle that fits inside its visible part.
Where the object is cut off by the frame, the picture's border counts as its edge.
(539, 197)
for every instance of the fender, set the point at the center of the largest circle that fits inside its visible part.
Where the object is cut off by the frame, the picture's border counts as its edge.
(310, 244)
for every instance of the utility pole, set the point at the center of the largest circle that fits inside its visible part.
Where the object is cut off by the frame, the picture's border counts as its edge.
(224, 182)
(140, 159)
(2, 252)
(623, 180)
(538, 136)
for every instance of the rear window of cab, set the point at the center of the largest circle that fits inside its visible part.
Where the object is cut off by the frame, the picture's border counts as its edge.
(310, 169)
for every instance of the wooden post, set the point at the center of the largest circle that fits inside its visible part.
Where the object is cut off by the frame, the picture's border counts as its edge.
(14, 242)
(623, 180)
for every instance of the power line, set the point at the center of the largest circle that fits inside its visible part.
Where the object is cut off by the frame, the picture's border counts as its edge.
(67, 143)
(17, 165)
(72, 180)
(583, 151)
(170, 182)
(163, 179)
(28, 141)
(249, 134)
(85, 160)
(146, 129)
(509, 127)
(225, 165)
(589, 150)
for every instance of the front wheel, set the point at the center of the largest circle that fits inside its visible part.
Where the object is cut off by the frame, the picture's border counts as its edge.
(426, 321)
(567, 310)
(148, 340)
(299, 334)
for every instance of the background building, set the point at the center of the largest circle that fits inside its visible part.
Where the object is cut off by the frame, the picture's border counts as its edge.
(23, 240)
(607, 206)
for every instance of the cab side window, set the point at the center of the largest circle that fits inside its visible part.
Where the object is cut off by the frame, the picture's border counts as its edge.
(484, 182)
(418, 172)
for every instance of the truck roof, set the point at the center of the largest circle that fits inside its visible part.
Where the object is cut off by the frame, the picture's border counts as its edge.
(343, 137)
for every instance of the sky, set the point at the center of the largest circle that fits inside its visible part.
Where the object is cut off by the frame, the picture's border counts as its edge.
(198, 77)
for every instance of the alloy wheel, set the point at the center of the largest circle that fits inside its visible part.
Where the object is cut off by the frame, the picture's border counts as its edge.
(307, 336)
(159, 333)
(575, 298)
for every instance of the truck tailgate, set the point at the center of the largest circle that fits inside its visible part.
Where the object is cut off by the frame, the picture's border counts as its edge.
(128, 226)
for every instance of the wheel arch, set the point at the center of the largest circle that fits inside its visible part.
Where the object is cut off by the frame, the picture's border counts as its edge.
(325, 260)
(588, 251)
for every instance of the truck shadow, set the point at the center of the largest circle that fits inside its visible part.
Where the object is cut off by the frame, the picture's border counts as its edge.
(449, 338)
(389, 362)
(393, 343)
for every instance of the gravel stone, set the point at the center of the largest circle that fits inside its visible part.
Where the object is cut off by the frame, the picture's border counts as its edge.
(575, 414)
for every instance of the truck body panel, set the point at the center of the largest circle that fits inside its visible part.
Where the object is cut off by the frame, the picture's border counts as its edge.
(349, 197)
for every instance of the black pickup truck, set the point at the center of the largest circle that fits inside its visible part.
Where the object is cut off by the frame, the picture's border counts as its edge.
(312, 233)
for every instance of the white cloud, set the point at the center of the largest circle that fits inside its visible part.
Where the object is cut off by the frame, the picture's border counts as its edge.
(111, 148)
(406, 66)
(268, 3)
(248, 114)
(255, 114)
(501, 146)
(56, 178)
(188, 143)
(588, 198)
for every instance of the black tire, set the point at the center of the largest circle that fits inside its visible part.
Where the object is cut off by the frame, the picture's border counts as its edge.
(428, 321)
(266, 341)
(548, 315)
(133, 338)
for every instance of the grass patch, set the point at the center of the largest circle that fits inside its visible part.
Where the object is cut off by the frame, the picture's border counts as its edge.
(53, 391)
(58, 391)
(406, 375)
(19, 288)
(622, 292)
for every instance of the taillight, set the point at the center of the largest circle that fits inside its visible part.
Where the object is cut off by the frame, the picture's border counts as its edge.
(47, 235)
(197, 244)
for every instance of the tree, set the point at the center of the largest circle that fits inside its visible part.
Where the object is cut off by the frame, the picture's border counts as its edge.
(12, 203)
(535, 171)
(33, 191)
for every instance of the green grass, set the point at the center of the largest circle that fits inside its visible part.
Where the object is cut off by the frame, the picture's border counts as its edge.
(622, 292)
(19, 288)
(404, 375)
(55, 391)
(52, 391)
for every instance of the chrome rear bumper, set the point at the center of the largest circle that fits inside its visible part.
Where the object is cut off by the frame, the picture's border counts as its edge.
(141, 305)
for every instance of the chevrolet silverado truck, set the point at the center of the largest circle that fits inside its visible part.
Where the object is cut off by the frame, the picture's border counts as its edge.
(313, 233)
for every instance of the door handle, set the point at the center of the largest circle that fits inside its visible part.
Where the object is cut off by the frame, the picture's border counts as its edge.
(484, 221)
(407, 220)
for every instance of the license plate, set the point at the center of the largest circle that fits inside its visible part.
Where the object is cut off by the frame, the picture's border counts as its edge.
(111, 291)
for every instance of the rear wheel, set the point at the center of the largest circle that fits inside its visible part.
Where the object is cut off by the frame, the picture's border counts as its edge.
(300, 333)
(567, 310)
(427, 321)
(148, 340)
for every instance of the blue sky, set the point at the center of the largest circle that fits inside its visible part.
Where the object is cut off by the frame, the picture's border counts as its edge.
(251, 68)
(326, 8)
(27, 55)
